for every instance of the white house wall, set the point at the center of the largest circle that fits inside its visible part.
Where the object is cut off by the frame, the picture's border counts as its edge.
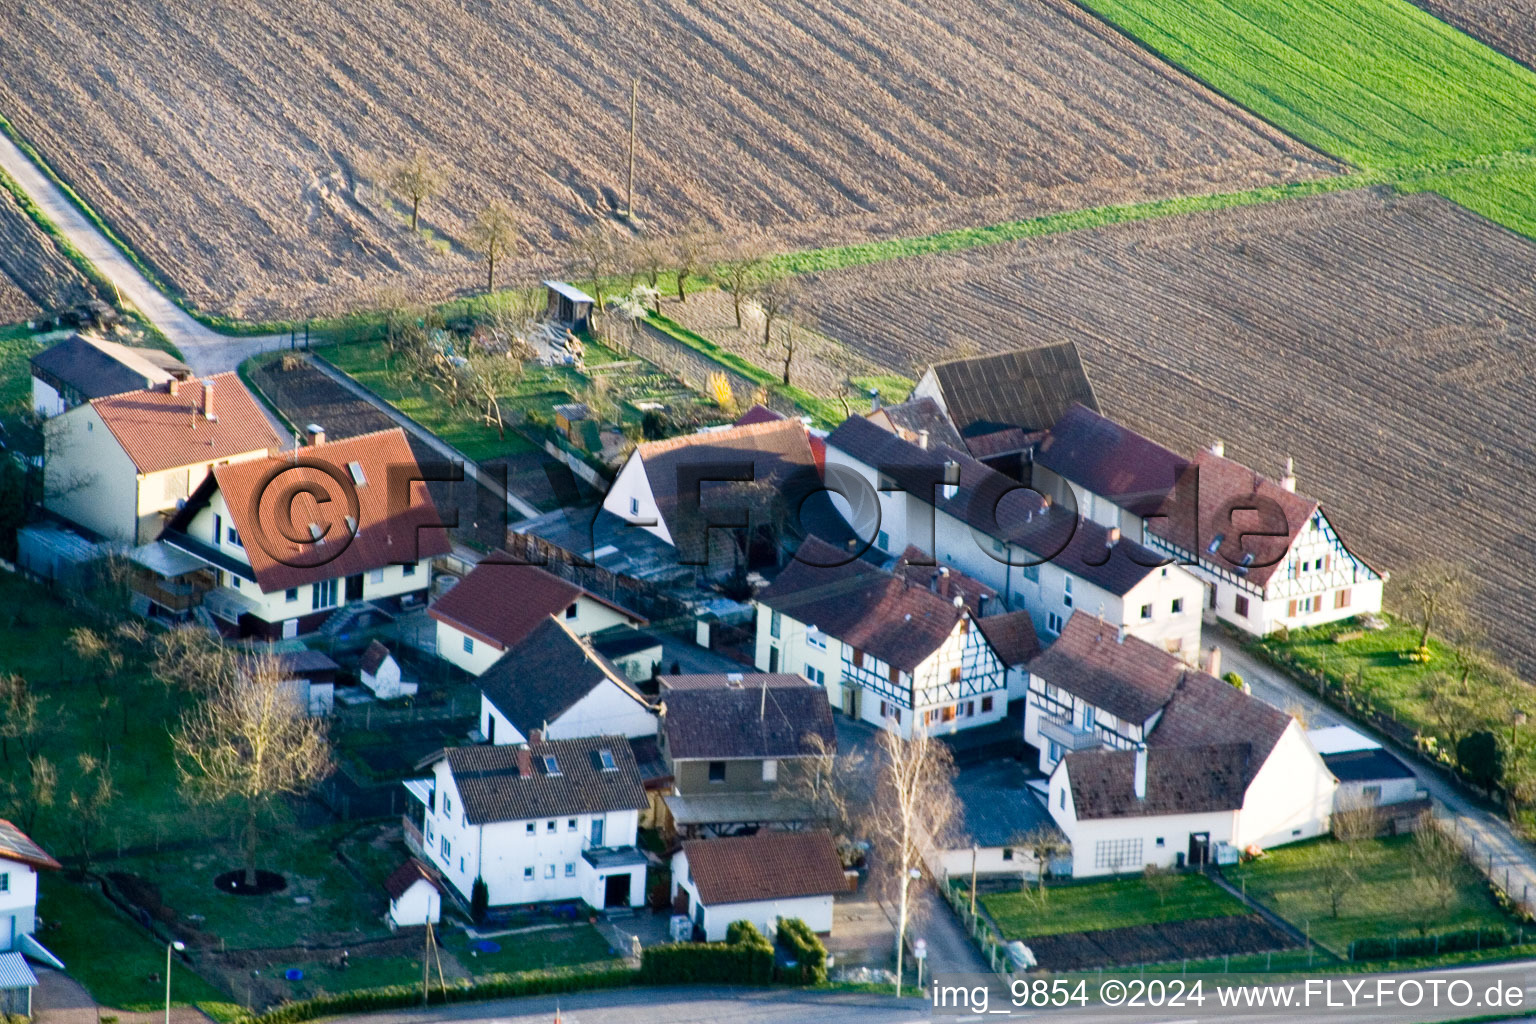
(88, 477)
(477, 660)
(497, 727)
(815, 911)
(18, 904)
(46, 402)
(1290, 798)
(606, 711)
(418, 905)
(631, 490)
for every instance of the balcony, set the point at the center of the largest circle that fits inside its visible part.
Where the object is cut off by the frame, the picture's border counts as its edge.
(1067, 736)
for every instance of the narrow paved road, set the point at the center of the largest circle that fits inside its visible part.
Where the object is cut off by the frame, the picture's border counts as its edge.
(1491, 843)
(204, 349)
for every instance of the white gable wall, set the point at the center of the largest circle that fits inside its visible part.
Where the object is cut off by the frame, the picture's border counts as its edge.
(18, 903)
(606, 711)
(1290, 798)
(417, 905)
(630, 498)
(716, 920)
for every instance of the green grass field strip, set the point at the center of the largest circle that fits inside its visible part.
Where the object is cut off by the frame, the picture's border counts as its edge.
(1097, 906)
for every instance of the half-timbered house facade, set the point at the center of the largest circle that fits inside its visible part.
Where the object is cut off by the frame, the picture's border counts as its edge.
(1269, 556)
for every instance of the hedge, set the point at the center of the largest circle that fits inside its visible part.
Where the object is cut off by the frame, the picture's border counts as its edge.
(1402, 946)
(395, 997)
(745, 958)
(806, 949)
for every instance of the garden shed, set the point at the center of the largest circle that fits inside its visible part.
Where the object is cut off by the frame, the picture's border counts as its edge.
(569, 305)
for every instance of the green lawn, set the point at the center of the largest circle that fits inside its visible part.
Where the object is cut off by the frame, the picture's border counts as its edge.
(1286, 880)
(1379, 83)
(110, 955)
(1095, 906)
(17, 345)
(325, 979)
(536, 950)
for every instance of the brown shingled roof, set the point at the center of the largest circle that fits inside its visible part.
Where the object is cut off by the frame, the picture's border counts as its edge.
(493, 788)
(1129, 678)
(898, 622)
(160, 430)
(1012, 636)
(1213, 500)
(501, 600)
(406, 875)
(765, 866)
(760, 716)
(1110, 460)
(1180, 780)
(382, 535)
(1028, 388)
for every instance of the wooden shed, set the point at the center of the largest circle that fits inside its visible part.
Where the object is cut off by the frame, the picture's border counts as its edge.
(569, 305)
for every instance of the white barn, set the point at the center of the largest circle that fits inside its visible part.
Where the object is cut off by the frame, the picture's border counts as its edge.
(415, 898)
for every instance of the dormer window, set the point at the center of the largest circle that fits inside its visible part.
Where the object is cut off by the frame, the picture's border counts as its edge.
(356, 469)
(551, 766)
(605, 759)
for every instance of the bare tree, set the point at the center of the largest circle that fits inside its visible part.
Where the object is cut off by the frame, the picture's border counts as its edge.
(650, 256)
(737, 272)
(487, 377)
(1434, 593)
(1044, 844)
(1437, 861)
(692, 249)
(249, 743)
(93, 792)
(495, 235)
(1161, 881)
(913, 805)
(416, 180)
(631, 309)
(1355, 822)
(22, 803)
(774, 294)
(1337, 876)
(21, 716)
(595, 252)
(191, 659)
(823, 781)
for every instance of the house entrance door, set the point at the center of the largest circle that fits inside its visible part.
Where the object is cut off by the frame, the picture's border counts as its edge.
(354, 588)
(1199, 849)
(616, 891)
(851, 701)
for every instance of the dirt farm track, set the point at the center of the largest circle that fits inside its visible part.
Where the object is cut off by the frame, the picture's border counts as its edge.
(1384, 341)
(239, 143)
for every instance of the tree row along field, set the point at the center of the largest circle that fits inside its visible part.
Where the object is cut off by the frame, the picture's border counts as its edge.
(1380, 83)
(1380, 339)
(238, 145)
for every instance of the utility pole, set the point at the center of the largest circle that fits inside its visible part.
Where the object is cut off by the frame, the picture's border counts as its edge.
(629, 187)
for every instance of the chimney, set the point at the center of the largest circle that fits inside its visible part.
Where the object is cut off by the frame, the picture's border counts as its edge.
(922, 439)
(1112, 537)
(172, 386)
(208, 411)
(316, 435)
(1120, 634)
(524, 762)
(981, 604)
(1218, 449)
(874, 399)
(1141, 771)
(536, 736)
(943, 581)
(1289, 480)
(1213, 662)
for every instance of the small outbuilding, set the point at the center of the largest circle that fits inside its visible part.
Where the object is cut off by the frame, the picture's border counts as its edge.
(569, 305)
(415, 897)
(1369, 775)
(761, 878)
(16, 984)
(380, 673)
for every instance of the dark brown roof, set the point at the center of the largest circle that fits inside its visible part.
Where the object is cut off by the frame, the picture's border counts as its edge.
(501, 600)
(406, 875)
(758, 414)
(1007, 441)
(1028, 388)
(1012, 636)
(1212, 503)
(160, 430)
(493, 789)
(762, 716)
(545, 674)
(93, 368)
(1129, 678)
(910, 418)
(777, 452)
(1110, 460)
(897, 622)
(16, 845)
(918, 567)
(384, 533)
(999, 506)
(653, 767)
(1180, 780)
(1205, 711)
(373, 657)
(306, 663)
(766, 866)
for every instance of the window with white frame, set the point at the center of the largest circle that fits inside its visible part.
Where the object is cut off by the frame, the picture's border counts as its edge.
(815, 675)
(446, 848)
(549, 871)
(376, 576)
(1053, 622)
(775, 625)
(570, 869)
(770, 770)
(815, 638)
(528, 874)
(1066, 591)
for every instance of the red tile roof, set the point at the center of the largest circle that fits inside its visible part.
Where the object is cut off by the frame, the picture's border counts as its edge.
(258, 492)
(765, 866)
(406, 875)
(160, 430)
(501, 601)
(1215, 498)
(1012, 636)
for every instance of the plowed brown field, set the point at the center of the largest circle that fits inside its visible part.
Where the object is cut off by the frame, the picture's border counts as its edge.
(34, 276)
(238, 143)
(1505, 25)
(1385, 342)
